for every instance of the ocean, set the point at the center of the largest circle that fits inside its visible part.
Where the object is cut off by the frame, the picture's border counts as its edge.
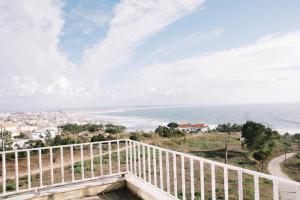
(281, 117)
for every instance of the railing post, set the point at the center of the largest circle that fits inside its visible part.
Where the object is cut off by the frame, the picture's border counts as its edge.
(72, 163)
(28, 170)
(92, 160)
(175, 175)
(139, 160)
(144, 162)
(130, 157)
(225, 183)
(118, 156)
(109, 157)
(256, 187)
(62, 168)
(168, 172)
(161, 174)
(275, 190)
(17, 171)
(51, 166)
(213, 182)
(240, 185)
(192, 178)
(126, 152)
(134, 158)
(3, 172)
(183, 177)
(100, 159)
(40, 167)
(154, 167)
(82, 162)
(149, 164)
(202, 180)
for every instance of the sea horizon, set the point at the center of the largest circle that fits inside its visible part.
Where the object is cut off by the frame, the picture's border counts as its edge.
(283, 117)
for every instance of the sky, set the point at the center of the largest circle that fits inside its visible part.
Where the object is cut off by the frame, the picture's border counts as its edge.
(82, 53)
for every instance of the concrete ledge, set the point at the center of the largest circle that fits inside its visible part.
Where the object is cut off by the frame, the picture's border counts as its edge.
(77, 190)
(144, 190)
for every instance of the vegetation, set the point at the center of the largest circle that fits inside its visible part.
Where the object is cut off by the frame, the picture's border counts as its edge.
(114, 129)
(259, 140)
(226, 128)
(169, 131)
(292, 167)
(8, 141)
(98, 138)
(75, 128)
(296, 139)
(135, 136)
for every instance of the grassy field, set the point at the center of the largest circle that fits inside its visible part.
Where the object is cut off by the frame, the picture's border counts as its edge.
(292, 167)
(211, 146)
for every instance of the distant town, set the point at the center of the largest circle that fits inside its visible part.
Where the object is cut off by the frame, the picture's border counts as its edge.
(25, 126)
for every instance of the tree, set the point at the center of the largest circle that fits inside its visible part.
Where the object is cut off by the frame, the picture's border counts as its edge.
(259, 140)
(162, 131)
(262, 154)
(47, 138)
(173, 125)
(8, 141)
(114, 129)
(229, 128)
(296, 138)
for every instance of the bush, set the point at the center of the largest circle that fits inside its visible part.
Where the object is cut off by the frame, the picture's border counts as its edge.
(98, 138)
(135, 137)
(10, 186)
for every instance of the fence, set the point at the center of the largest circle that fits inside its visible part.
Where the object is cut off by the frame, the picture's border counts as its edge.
(179, 175)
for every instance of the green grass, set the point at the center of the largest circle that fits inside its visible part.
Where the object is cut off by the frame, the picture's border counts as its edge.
(292, 167)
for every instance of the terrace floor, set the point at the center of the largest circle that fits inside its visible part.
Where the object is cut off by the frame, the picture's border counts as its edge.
(120, 194)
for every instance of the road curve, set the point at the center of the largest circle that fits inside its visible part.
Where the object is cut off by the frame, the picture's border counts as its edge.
(286, 192)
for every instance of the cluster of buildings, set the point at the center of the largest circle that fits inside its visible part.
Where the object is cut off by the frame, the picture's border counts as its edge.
(25, 126)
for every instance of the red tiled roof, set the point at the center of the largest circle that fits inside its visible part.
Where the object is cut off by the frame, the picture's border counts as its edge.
(192, 125)
(184, 125)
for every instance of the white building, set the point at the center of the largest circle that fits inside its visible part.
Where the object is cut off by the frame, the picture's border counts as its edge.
(193, 128)
(39, 134)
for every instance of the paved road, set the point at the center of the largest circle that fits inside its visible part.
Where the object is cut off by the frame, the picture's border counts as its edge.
(286, 192)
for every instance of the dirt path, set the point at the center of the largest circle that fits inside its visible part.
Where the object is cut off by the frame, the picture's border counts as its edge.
(286, 191)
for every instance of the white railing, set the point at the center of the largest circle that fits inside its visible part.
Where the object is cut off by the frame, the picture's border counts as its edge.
(184, 176)
(178, 175)
(32, 169)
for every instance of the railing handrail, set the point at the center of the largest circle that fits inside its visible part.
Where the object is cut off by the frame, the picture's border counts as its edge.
(59, 146)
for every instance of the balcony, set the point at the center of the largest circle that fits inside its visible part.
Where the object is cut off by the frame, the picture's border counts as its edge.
(126, 169)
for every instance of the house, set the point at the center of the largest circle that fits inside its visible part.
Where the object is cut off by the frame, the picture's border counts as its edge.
(41, 133)
(193, 128)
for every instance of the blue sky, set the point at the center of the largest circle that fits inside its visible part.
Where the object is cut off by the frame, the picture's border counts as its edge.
(81, 53)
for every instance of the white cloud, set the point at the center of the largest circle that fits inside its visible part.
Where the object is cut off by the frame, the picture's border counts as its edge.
(259, 72)
(133, 22)
(29, 55)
